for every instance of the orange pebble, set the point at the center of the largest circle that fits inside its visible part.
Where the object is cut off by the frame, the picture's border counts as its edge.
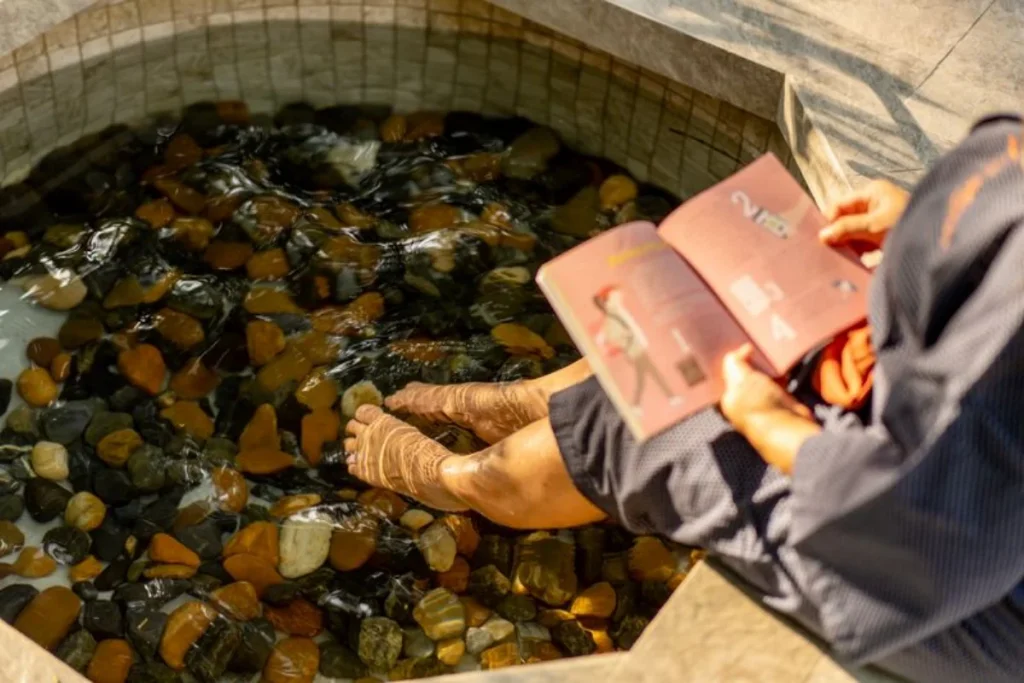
(298, 618)
(144, 367)
(229, 484)
(166, 549)
(184, 627)
(318, 428)
(293, 660)
(259, 538)
(110, 662)
(237, 600)
(255, 570)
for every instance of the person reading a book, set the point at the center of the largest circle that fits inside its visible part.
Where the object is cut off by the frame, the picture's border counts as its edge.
(898, 538)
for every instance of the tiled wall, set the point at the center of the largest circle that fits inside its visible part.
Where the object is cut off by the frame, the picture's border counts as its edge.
(121, 60)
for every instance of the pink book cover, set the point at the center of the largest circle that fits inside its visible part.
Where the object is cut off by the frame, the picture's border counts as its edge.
(654, 310)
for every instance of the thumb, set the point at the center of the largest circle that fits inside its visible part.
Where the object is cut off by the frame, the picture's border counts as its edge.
(736, 364)
(846, 229)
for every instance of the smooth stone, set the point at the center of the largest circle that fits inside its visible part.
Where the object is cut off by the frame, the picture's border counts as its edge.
(440, 614)
(203, 585)
(380, 643)
(147, 468)
(145, 628)
(49, 617)
(488, 585)
(337, 661)
(281, 594)
(305, 542)
(517, 608)
(531, 630)
(23, 420)
(156, 591)
(500, 629)
(128, 513)
(77, 650)
(254, 647)
(86, 590)
(11, 507)
(11, 537)
(153, 672)
(113, 487)
(113, 575)
(573, 638)
(629, 631)
(528, 155)
(45, 500)
(104, 423)
(496, 550)
(209, 656)
(103, 619)
(157, 517)
(478, 640)
(417, 667)
(50, 460)
(415, 643)
(66, 423)
(67, 545)
(108, 540)
(438, 546)
(14, 598)
(204, 539)
(578, 216)
(545, 565)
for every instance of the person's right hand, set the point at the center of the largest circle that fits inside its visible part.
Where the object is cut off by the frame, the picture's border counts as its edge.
(865, 215)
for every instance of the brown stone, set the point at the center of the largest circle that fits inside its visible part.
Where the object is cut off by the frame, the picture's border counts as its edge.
(352, 319)
(263, 461)
(541, 651)
(42, 351)
(86, 570)
(424, 124)
(181, 195)
(273, 215)
(129, 292)
(353, 542)
(60, 368)
(194, 380)
(289, 366)
(264, 340)
(182, 330)
(596, 601)
(166, 549)
(85, 511)
(143, 366)
(49, 617)
(318, 347)
(319, 427)
(431, 217)
(256, 570)
(237, 600)
(33, 563)
(189, 417)
(158, 213)
(385, 502)
(293, 660)
(318, 390)
(192, 514)
(520, 340)
(298, 618)
(184, 627)
(170, 571)
(221, 208)
(504, 655)
(450, 651)
(476, 614)
(227, 255)
(37, 387)
(77, 332)
(115, 448)
(269, 301)
(466, 536)
(455, 579)
(271, 264)
(287, 506)
(230, 488)
(392, 129)
(11, 538)
(192, 232)
(182, 151)
(261, 432)
(259, 538)
(615, 191)
(352, 217)
(550, 618)
(110, 662)
(650, 560)
(233, 111)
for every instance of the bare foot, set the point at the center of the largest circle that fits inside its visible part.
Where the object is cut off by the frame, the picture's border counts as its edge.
(491, 411)
(386, 452)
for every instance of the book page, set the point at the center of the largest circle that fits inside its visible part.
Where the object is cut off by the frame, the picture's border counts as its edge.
(649, 326)
(754, 240)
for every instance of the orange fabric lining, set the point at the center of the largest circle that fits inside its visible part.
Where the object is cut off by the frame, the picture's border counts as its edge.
(845, 371)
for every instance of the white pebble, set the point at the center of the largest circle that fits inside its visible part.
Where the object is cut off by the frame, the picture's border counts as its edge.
(415, 519)
(500, 629)
(50, 460)
(478, 640)
(304, 545)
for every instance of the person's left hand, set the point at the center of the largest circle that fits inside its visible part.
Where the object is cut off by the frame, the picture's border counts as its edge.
(750, 394)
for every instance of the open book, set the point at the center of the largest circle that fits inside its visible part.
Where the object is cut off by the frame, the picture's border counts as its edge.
(654, 310)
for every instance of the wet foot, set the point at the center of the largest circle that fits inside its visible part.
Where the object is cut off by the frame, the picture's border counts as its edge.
(388, 453)
(491, 411)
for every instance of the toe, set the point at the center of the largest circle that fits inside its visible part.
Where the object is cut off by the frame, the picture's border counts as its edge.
(351, 447)
(355, 427)
(367, 413)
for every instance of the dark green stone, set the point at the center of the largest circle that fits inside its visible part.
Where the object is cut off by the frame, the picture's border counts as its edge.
(209, 656)
(145, 628)
(67, 545)
(489, 585)
(496, 550)
(77, 649)
(147, 468)
(573, 638)
(11, 507)
(337, 661)
(517, 608)
(380, 643)
(45, 499)
(629, 630)
(14, 598)
(254, 647)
